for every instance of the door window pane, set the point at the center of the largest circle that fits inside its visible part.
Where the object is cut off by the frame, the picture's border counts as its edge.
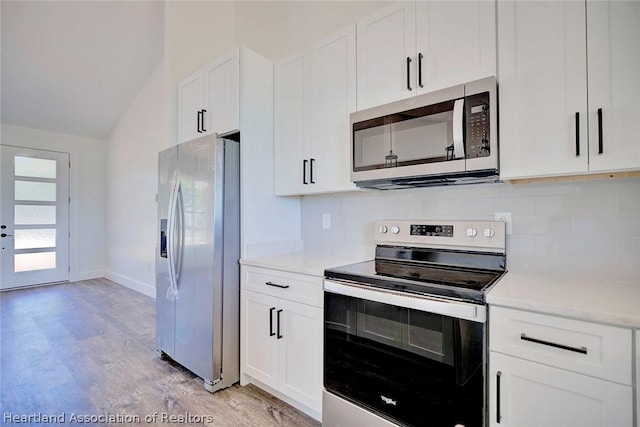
(33, 214)
(35, 191)
(36, 168)
(37, 261)
(32, 239)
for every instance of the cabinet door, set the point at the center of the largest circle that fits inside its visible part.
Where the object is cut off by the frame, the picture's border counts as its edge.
(457, 41)
(190, 102)
(222, 95)
(531, 394)
(542, 75)
(386, 39)
(300, 353)
(332, 82)
(291, 87)
(613, 32)
(258, 337)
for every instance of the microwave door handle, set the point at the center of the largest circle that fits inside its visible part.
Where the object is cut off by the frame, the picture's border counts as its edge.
(458, 129)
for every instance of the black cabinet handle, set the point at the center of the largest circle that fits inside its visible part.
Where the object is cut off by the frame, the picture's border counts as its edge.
(278, 327)
(577, 134)
(409, 73)
(276, 285)
(312, 162)
(5, 235)
(581, 350)
(600, 137)
(203, 113)
(498, 414)
(304, 171)
(271, 333)
(199, 120)
(420, 56)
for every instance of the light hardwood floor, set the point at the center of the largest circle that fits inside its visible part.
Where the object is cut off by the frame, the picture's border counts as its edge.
(88, 349)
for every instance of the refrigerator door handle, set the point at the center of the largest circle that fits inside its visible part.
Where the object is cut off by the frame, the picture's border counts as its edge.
(172, 291)
(181, 233)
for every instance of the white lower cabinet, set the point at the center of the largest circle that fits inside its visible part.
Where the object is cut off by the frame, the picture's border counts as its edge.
(525, 393)
(551, 371)
(281, 337)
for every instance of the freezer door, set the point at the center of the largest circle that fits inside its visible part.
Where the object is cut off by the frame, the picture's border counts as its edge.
(200, 267)
(165, 308)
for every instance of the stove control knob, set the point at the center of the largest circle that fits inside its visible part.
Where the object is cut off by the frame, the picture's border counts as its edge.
(472, 232)
(383, 229)
(395, 229)
(489, 233)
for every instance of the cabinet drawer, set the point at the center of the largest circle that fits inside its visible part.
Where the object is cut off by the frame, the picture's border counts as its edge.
(589, 348)
(295, 287)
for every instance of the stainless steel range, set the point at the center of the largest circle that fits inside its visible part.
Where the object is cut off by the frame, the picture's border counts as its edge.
(404, 334)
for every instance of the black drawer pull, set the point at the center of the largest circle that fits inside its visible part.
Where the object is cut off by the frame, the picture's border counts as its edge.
(577, 134)
(271, 333)
(600, 136)
(409, 73)
(581, 350)
(498, 414)
(278, 314)
(276, 285)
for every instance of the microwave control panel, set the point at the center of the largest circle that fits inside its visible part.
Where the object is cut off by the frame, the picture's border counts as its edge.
(477, 129)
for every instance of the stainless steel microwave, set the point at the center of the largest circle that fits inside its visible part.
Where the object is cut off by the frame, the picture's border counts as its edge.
(445, 137)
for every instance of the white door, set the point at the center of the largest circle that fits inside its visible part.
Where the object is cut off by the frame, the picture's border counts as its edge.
(190, 108)
(543, 85)
(386, 53)
(291, 128)
(300, 352)
(222, 94)
(34, 217)
(457, 41)
(613, 31)
(332, 82)
(259, 350)
(527, 394)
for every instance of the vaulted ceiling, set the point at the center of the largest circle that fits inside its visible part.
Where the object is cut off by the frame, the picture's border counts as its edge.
(75, 66)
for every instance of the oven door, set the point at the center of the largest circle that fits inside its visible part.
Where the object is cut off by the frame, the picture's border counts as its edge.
(403, 362)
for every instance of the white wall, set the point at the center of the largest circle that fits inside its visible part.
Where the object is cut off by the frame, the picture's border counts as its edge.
(584, 229)
(276, 29)
(132, 171)
(86, 185)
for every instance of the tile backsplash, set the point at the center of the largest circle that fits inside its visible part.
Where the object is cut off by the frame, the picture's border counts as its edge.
(587, 229)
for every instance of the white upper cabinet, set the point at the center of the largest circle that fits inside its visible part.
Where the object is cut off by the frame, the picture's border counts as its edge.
(409, 48)
(386, 49)
(457, 40)
(561, 114)
(190, 106)
(291, 130)
(314, 94)
(208, 100)
(613, 34)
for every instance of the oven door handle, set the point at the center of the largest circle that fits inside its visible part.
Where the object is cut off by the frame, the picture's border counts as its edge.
(460, 310)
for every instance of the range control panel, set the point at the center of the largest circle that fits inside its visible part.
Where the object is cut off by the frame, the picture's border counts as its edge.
(464, 235)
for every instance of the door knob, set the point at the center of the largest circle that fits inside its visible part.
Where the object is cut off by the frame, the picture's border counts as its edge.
(5, 235)
(3, 226)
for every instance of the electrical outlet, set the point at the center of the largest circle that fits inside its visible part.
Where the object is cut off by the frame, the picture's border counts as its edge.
(326, 221)
(505, 217)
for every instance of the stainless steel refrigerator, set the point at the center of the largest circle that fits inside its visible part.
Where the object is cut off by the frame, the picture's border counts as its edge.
(197, 270)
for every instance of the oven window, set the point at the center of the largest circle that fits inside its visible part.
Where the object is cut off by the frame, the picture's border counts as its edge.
(410, 366)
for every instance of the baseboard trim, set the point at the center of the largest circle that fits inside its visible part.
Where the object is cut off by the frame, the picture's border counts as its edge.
(85, 275)
(136, 285)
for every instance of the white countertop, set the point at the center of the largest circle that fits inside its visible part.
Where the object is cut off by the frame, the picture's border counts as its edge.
(601, 301)
(309, 263)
